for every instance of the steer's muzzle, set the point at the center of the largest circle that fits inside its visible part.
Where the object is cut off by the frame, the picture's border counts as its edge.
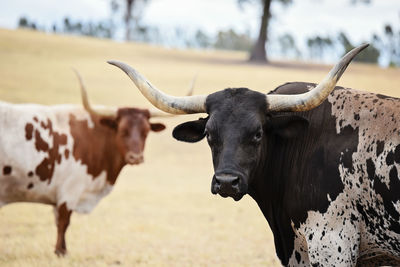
(228, 185)
(133, 158)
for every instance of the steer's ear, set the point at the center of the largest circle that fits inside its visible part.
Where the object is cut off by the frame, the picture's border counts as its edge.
(191, 131)
(288, 126)
(157, 127)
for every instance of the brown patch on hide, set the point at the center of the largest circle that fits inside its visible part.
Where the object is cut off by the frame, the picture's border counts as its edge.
(28, 131)
(66, 153)
(45, 169)
(7, 170)
(40, 144)
(95, 147)
(103, 147)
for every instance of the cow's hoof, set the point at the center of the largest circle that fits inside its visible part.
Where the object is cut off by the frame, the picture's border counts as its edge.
(60, 252)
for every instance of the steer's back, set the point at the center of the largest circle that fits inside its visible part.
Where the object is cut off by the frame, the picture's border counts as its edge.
(36, 156)
(362, 134)
(372, 180)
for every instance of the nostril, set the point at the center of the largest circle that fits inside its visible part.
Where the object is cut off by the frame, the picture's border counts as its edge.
(235, 182)
(133, 157)
(227, 180)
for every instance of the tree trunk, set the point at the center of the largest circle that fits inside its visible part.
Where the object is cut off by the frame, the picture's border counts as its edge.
(128, 18)
(259, 53)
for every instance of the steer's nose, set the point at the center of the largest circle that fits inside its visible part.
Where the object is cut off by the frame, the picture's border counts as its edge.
(226, 184)
(133, 158)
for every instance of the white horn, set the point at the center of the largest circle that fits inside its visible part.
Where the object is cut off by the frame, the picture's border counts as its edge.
(85, 102)
(167, 103)
(314, 97)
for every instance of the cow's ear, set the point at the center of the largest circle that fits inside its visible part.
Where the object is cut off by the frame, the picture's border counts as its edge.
(288, 126)
(109, 122)
(191, 131)
(157, 127)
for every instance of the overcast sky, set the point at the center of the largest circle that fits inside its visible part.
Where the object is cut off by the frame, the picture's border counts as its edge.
(304, 18)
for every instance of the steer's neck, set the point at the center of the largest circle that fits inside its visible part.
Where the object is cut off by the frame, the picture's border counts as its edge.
(96, 148)
(297, 174)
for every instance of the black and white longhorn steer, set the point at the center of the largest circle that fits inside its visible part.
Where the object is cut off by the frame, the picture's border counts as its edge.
(324, 173)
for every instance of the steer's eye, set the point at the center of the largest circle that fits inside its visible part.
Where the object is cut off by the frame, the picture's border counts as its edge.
(125, 133)
(257, 136)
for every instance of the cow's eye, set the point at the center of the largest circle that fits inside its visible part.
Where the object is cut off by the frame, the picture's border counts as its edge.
(125, 133)
(258, 136)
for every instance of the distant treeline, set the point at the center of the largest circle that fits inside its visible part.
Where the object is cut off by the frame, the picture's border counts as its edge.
(317, 47)
(102, 29)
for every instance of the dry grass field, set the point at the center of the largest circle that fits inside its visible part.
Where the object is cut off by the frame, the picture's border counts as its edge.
(162, 212)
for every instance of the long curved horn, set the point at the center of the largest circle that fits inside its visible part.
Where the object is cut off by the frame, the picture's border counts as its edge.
(158, 113)
(313, 98)
(167, 103)
(85, 101)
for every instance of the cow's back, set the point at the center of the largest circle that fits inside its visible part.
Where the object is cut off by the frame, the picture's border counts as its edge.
(36, 156)
(362, 133)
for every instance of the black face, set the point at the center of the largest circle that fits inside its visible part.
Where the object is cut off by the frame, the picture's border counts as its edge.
(236, 130)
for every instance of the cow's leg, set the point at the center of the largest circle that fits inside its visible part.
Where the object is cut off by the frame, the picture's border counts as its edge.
(334, 248)
(62, 221)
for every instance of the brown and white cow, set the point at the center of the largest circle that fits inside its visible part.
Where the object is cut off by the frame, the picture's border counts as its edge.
(67, 156)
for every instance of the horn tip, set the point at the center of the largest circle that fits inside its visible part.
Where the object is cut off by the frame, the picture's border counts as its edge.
(78, 75)
(113, 62)
(357, 50)
(118, 64)
(360, 48)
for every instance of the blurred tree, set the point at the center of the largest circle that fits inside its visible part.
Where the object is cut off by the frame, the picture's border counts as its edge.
(369, 55)
(258, 52)
(230, 40)
(317, 46)
(128, 19)
(347, 46)
(202, 39)
(288, 46)
(128, 13)
(392, 45)
(102, 29)
(67, 25)
(24, 22)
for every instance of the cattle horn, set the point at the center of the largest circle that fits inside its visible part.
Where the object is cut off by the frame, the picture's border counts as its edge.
(158, 113)
(314, 97)
(167, 103)
(85, 102)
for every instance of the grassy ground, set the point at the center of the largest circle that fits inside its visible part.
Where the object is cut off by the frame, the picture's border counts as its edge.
(162, 212)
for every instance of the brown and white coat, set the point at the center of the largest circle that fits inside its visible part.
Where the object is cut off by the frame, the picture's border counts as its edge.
(65, 156)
